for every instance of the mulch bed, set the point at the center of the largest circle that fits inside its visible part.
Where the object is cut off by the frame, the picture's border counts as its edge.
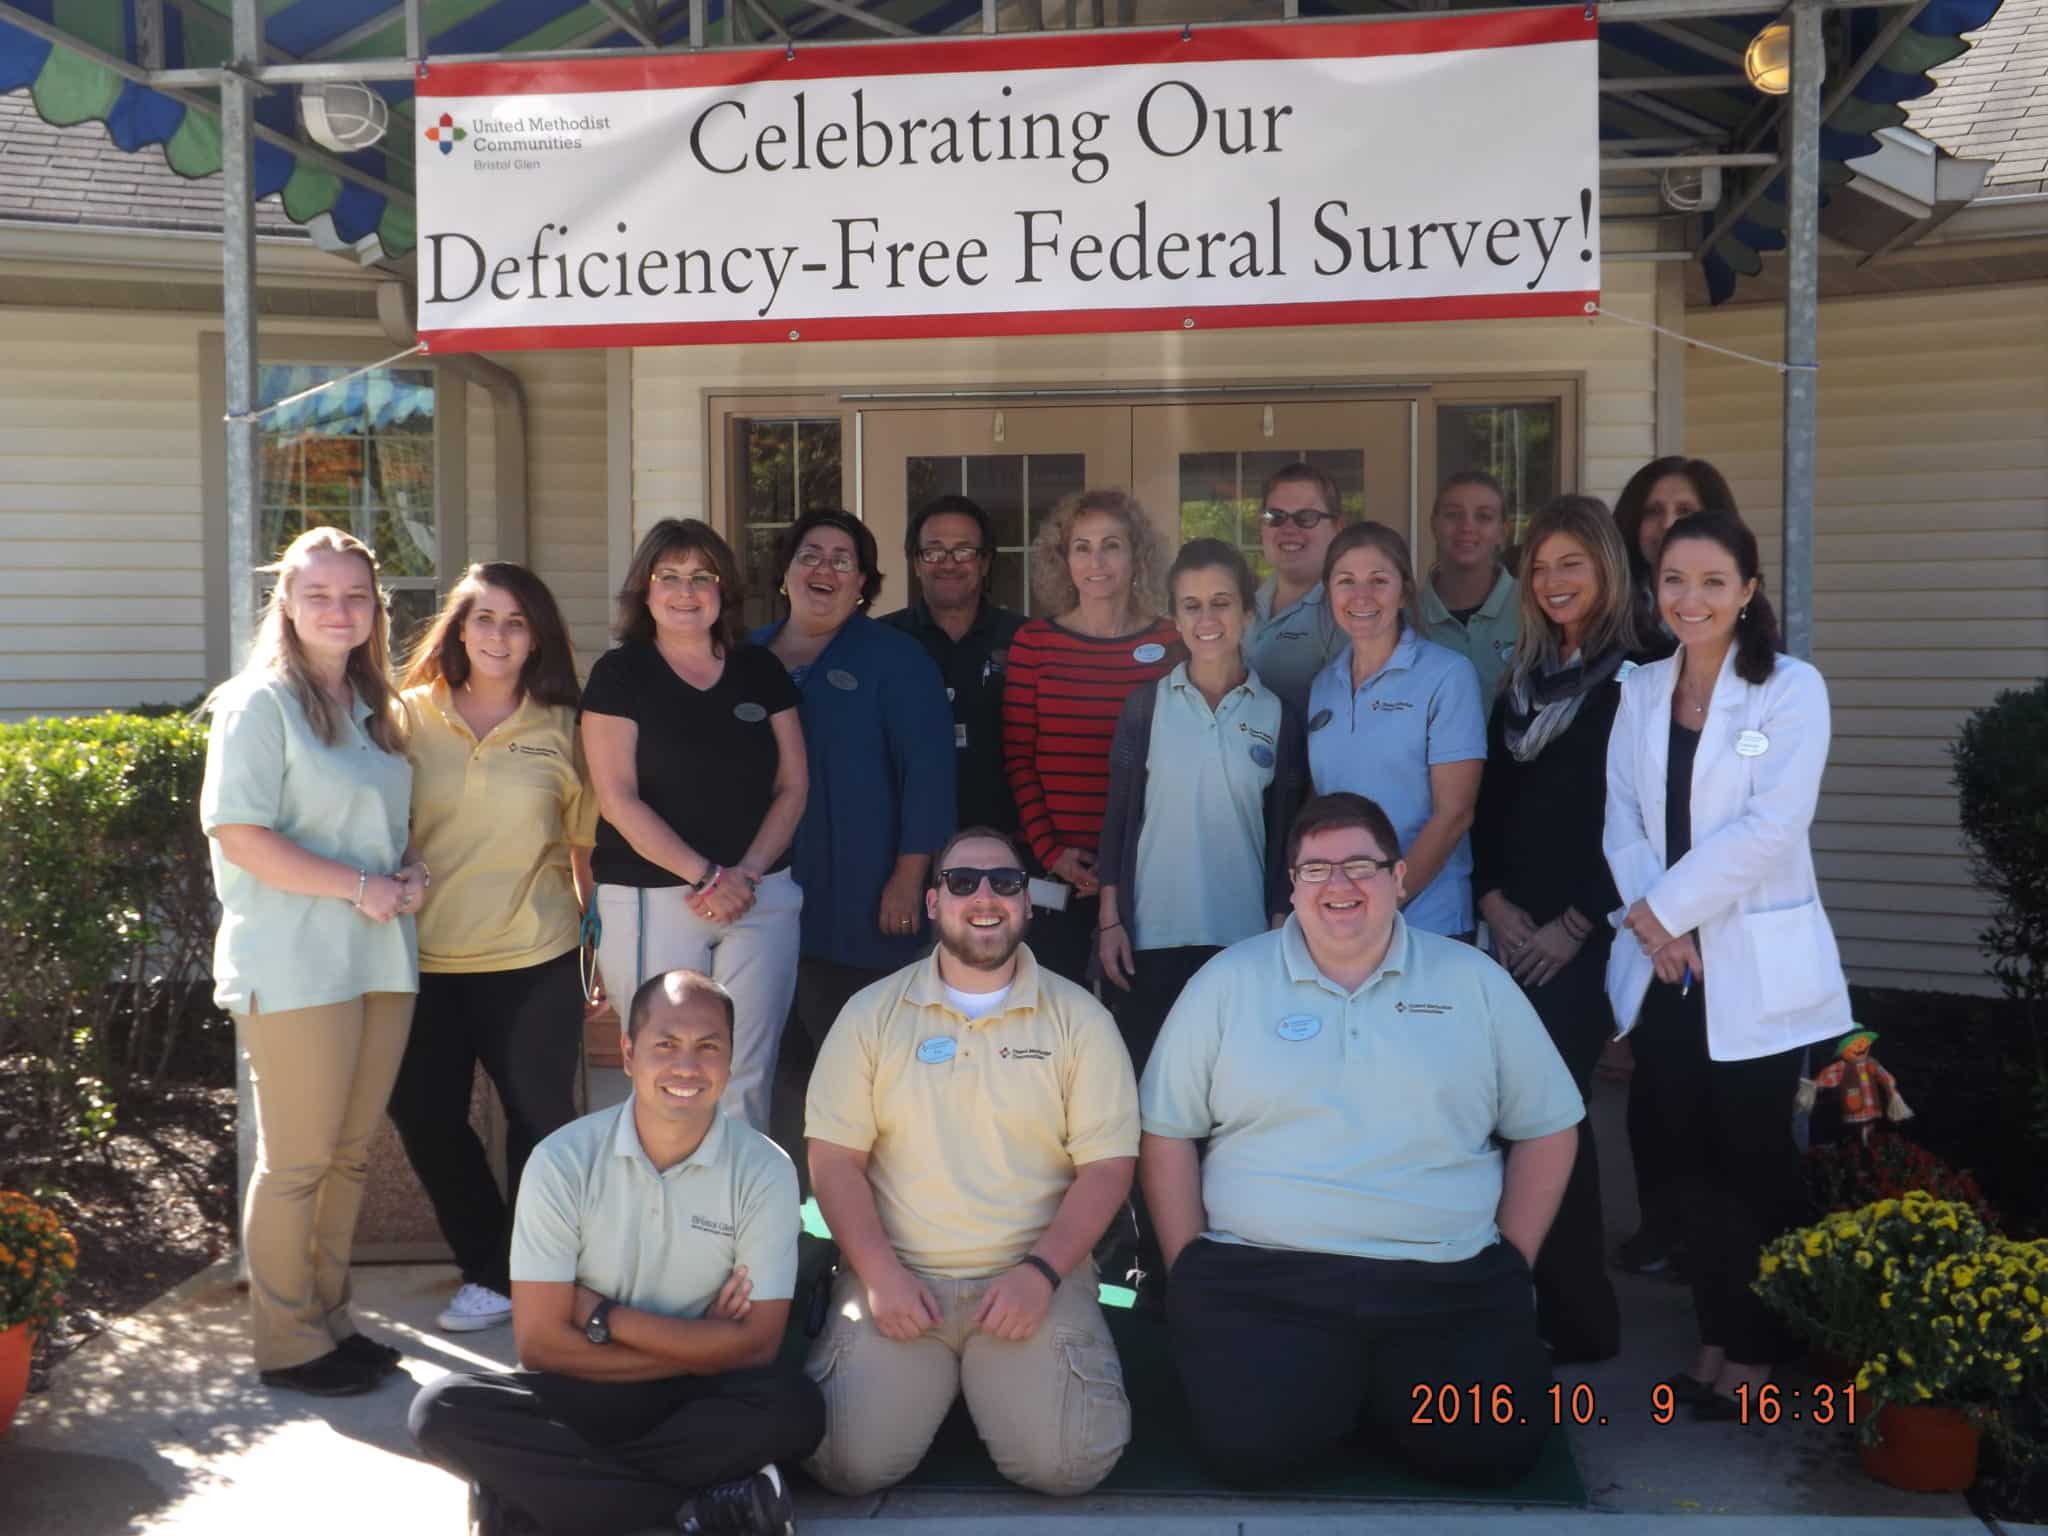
(150, 1207)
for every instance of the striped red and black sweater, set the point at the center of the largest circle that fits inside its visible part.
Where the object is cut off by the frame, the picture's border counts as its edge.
(1062, 693)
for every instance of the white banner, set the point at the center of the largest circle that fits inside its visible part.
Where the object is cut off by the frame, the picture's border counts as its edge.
(1279, 175)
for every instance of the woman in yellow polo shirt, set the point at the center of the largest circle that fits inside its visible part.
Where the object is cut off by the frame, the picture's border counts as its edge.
(503, 815)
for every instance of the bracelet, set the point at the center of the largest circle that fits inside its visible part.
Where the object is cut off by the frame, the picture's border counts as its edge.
(1108, 927)
(1052, 1276)
(712, 872)
(362, 888)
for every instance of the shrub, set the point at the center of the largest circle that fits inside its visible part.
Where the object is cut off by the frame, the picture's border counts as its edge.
(1846, 1175)
(106, 903)
(37, 1260)
(2001, 779)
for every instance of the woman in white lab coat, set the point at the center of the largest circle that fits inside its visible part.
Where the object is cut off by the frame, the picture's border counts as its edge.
(1728, 967)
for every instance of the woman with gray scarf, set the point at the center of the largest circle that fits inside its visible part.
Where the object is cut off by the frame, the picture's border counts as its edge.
(1538, 870)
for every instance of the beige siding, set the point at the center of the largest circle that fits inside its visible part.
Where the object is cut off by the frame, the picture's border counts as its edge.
(1930, 575)
(101, 600)
(482, 521)
(1616, 362)
(565, 484)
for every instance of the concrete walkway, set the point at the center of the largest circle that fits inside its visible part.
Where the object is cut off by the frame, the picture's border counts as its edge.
(159, 1426)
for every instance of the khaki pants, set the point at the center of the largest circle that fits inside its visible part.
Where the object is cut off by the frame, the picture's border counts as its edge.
(1051, 1410)
(321, 1078)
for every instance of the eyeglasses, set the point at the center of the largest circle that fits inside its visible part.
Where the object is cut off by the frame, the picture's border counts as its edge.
(810, 557)
(699, 581)
(965, 879)
(1304, 517)
(1357, 871)
(960, 554)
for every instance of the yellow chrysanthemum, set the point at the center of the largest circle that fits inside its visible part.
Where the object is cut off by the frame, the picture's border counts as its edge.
(1884, 1299)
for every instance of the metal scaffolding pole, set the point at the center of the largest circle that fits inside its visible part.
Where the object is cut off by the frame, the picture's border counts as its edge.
(238, 311)
(1802, 319)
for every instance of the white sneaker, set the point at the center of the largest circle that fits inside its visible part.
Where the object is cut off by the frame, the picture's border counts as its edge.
(475, 1307)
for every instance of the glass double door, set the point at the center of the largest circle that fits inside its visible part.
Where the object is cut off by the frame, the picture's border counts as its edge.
(1198, 469)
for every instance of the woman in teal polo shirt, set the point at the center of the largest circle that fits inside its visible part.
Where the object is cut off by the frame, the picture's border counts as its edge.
(1398, 719)
(306, 798)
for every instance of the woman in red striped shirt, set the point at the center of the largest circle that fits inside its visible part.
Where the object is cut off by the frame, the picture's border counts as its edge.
(1096, 564)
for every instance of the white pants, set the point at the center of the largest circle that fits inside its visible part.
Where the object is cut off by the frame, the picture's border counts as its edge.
(649, 931)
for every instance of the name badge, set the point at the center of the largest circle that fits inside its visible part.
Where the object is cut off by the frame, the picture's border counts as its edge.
(1752, 744)
(750, 712)
(1299, 1026)
(959, 736)
(1262, 754)
(939, 1048)
(1319, 719)
(845, 682)
(1149, 652)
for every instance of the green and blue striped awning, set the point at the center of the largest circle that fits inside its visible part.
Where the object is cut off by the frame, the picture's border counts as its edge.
(74, 86)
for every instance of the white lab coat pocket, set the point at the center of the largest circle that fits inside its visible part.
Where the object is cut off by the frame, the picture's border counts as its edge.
(1797, 965)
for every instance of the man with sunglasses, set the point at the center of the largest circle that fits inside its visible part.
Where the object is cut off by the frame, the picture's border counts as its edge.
(973, 1129)
(1390, 1131)
(1293, 635)
(951, 547)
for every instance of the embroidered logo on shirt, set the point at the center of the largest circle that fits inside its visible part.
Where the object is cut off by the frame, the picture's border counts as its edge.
(1292, 634)
(1425, 1008)
(1256, 735)
(1024, 1053)
(1390, 706)
(706, 1224)
(525, 751)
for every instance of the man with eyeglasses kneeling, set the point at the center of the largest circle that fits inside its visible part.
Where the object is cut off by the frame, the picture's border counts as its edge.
(973, 1127)
(1390, 1131)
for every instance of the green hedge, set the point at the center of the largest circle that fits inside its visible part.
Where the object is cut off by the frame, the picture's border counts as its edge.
(106, 904)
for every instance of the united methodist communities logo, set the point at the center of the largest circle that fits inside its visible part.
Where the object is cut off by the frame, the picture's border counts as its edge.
(446, 134)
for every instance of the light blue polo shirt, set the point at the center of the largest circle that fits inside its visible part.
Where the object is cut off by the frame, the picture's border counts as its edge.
(1359, 1123)
(594, 1209)
(1287, 649)
(1202, 850)
(1421, 709)
(1487, 639)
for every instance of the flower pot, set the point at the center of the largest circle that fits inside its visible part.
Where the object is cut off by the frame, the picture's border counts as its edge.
(16, 1345)
(1923, 1448)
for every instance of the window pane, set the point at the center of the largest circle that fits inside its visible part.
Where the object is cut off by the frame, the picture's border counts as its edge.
(412, 609)
(1049, 479)
(1009, 582)
(1209, 497)
(1516, 444)
(927, 479)
(358, 455)
(787, 466)
(996, 482)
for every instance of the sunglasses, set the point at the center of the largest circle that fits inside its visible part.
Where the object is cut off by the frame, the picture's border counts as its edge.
(1305, 517)
(965, 880)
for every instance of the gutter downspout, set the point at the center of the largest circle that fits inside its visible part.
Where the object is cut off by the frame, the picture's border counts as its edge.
(508, 407)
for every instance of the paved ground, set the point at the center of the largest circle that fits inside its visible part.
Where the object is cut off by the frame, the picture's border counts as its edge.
(160, 1427)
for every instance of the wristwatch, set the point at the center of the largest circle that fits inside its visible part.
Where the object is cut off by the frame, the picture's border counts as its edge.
(599, 1328)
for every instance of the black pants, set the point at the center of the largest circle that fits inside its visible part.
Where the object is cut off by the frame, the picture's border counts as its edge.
(526, 1028)
(822, 990)
(1285, 1356)
(1650, 1150)
(1159, 976)
(1064, 942)
(1575, 1302)
(584, 1458)
(1737, 1180)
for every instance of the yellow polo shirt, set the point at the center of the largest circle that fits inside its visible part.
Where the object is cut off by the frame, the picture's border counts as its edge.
(973, 1128)
(495, 819)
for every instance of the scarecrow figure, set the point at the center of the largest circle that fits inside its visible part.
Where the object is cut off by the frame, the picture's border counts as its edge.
(1863, 1083)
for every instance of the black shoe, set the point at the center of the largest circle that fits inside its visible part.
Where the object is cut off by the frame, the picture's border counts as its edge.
(1644, 1253)
(334, 1374)
(1716, 1409)
(749, 1506)
(488, 1516)
(360, 1347)
(1688, 1388)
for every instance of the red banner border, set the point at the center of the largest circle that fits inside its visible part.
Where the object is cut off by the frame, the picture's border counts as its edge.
(1069, 322)
(1017, 51)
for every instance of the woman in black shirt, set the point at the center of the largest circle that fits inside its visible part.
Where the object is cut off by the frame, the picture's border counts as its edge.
(697, 758)
(1543, 883)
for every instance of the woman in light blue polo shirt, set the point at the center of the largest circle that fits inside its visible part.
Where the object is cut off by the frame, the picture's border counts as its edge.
(1398, 719)
(306, 799)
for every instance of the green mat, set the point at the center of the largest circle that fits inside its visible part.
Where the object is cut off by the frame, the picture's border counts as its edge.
(1161, 1458)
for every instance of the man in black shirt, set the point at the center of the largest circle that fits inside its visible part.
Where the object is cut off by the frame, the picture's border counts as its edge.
(951, 545)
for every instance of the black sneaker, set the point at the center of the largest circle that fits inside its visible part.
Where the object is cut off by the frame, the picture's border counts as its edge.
(749, 1506)
(381, 1358)
(334, 1374)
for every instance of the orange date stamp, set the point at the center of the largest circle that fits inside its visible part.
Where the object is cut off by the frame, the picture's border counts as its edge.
(1578, 1403)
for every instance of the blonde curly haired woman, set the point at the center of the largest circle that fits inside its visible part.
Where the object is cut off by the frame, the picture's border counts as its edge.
(1096, 565)
(306, 799)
